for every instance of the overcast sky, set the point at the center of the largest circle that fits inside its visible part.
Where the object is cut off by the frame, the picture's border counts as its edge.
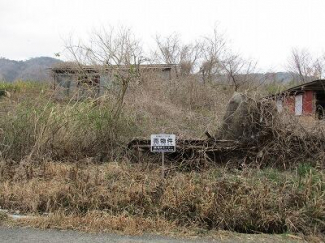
(265, 30)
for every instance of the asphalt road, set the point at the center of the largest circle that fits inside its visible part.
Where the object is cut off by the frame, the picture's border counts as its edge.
(30, 235)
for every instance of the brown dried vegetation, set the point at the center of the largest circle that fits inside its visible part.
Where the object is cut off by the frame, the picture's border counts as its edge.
(245, 201)
(69, 160)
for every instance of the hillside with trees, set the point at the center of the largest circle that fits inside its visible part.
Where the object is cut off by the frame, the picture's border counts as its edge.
(33, 69)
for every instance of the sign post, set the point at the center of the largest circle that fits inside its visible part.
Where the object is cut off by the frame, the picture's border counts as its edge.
(161, 143)
(163, 164)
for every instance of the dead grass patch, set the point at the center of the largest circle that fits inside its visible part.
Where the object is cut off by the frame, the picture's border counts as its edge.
(96, 221)
(3, 217)
(247, 201)
(99, 222)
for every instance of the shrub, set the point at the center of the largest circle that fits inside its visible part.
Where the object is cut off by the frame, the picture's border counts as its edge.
(47, 129)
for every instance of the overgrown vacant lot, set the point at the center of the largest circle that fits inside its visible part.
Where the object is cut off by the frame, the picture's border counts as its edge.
(244, 201)
(69, 159)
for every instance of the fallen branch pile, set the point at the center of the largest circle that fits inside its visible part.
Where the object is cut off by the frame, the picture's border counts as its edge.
(252, 133)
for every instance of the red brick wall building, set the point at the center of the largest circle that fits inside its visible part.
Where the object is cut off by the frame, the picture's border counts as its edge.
(303, 100)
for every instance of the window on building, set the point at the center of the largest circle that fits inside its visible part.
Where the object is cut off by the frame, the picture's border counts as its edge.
(298, 105)
(88, 80)
(279, 105)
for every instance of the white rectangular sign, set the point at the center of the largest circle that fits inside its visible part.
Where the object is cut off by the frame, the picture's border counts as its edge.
(163, 143)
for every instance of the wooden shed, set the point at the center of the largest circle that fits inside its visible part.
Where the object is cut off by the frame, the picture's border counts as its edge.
(75, 80)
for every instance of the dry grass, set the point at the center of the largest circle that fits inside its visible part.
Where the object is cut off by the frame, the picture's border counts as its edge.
(3, 217)
(243, 201)
(39, 127)
(100, 222)
(56, 157)
(97, 221)
(183, 106)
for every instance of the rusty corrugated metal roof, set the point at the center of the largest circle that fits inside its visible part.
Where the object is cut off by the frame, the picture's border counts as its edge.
(316, 85)
(73, 67)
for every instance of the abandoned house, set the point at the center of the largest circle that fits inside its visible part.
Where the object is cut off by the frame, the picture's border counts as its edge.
(85, 81)
(307, 99)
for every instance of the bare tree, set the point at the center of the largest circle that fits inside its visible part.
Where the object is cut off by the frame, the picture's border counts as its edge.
(302, 65)
(214, 49)
(114, 51)
(190, 55)
(171, 50)
(219, 62)
(318, 66)
(237, 70)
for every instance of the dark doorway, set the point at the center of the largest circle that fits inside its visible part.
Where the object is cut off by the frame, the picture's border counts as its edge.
(320, 105)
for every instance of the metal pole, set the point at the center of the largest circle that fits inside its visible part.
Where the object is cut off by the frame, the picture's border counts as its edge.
(163, 165)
